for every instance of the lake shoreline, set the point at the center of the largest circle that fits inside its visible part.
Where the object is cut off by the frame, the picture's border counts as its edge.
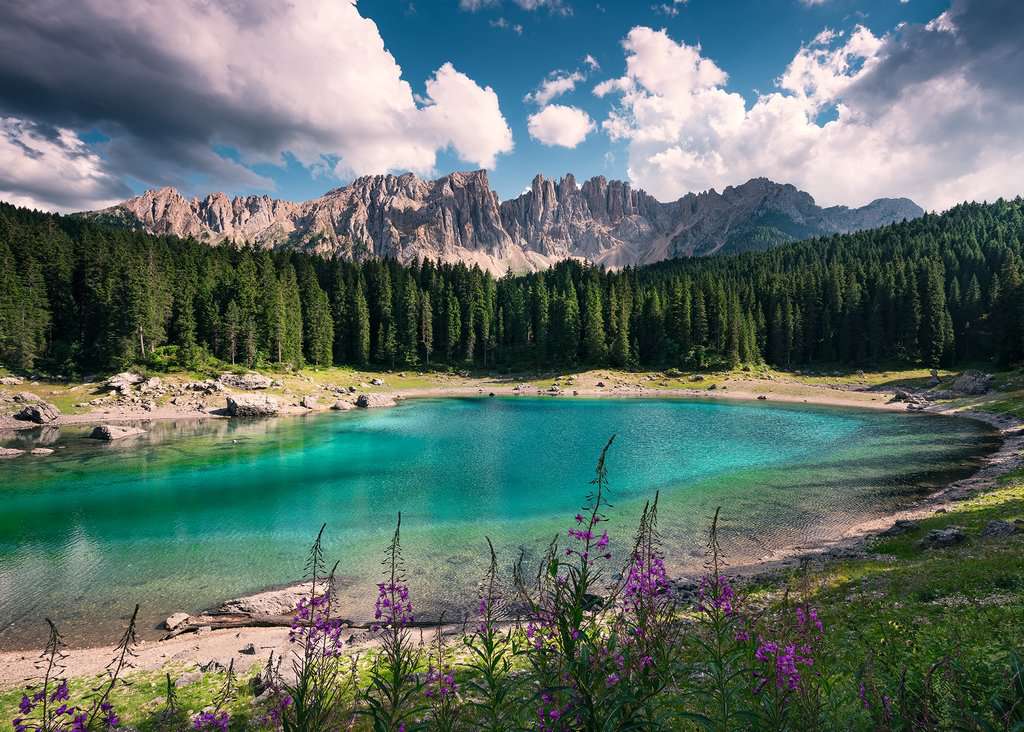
(18, 666)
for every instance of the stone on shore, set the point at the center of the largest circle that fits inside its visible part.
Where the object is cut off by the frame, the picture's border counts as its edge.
(9, 380)
(372, 401)
(997, 529)
(41, 451)
(245, 405)
(902, 526)
(250, 381)
(342, 406)
(111, 432)
(942, 538)
(272, 602)
(124, 380)
(972, 383)
(308, 402)
(40, 413)
(10, 452)
(176, 620)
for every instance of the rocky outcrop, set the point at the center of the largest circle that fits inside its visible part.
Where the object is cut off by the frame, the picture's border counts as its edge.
(251, 405)
(942, 538)
(972, 383)
(459, 218)
(250, 381)
(111, 432)
(39, 412)
(372, 401)
(124, 381)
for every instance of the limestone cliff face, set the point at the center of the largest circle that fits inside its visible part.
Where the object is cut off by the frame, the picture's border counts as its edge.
(459, 218)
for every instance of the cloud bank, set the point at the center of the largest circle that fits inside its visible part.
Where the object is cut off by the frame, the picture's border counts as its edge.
(169, 83)
(929, 111)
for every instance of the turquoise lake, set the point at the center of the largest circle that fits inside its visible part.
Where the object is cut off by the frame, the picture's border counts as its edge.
(196, 512)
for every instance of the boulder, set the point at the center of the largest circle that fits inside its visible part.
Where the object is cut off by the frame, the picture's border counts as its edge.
(41, 413)
(243, 405)
(248, 650)
(376, 382)
(942, 538)
(902, 526)
(281, 601)
(41, 451)
(111, 432)
(249, 382)
(371, 401)
(997, 529)
(9, 380)
(10, 452)
(176, 620)
(342, 406)
(124, 380)
(972, 383)
(308, 402)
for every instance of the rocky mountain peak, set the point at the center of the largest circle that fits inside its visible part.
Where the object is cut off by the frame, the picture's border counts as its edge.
(459, 218)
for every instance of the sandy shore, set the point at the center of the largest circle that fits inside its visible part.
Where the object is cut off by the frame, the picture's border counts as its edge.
(16, 667)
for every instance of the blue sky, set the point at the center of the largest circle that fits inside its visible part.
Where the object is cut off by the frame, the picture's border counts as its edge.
(848, 99)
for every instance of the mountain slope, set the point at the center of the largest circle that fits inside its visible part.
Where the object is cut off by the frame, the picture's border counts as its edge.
(459, 218)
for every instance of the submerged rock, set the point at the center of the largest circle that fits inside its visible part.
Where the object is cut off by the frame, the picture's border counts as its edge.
(111, 432)
(250, 381)
(240, 405)
(372, 401)
(942, 538)
(10, 452)
(41, 451)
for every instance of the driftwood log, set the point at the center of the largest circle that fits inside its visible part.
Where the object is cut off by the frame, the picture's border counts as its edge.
(222, 620)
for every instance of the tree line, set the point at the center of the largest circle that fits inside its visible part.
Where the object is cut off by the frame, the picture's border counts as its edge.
(939, 290)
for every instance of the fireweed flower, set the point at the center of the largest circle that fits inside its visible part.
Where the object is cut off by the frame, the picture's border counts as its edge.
(211, 721)
(392, 606)
(440, 684)
(312, 625)
(715, 593)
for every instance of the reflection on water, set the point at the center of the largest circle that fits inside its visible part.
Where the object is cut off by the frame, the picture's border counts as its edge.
(196, 511)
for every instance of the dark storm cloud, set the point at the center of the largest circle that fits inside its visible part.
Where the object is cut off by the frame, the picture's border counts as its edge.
(982, 40)
(65, 64)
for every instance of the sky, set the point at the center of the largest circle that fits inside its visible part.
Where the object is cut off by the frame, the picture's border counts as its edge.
(850, 100)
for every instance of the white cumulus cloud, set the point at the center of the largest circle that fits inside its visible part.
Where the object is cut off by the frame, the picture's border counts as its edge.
(560, 125)
(926, 112)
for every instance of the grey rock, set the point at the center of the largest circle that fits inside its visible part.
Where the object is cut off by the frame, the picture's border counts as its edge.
(996, 529)
(972, 383)
(41, 451)
(41, 413)
(248, 649)
(245, 405)
(175, 621)
(902, 526)
(124, 380)
(249, 382)
(10, 452)
(188, 678)
(942, 538)
(10, 380)
(272, 602)
(342, 406)
(376, 382)
(372, 401)
(111, 432)
(308, 402)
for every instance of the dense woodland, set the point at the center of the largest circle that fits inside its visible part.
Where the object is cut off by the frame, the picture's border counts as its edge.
(939, 290)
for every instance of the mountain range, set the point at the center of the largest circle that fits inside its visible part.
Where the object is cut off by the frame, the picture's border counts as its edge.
(458, 217)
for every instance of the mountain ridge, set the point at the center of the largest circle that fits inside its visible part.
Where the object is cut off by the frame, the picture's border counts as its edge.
(459, 218)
